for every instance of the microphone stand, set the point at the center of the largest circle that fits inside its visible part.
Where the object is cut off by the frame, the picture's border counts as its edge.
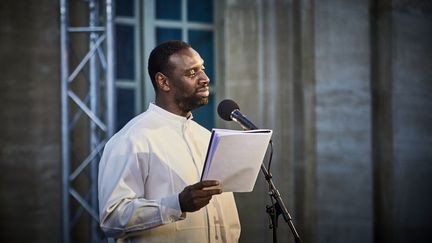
(278, 208)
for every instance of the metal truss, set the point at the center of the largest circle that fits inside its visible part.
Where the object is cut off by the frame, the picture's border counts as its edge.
(87, 113)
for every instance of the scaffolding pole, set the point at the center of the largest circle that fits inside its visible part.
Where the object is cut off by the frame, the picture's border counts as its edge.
(96, 108)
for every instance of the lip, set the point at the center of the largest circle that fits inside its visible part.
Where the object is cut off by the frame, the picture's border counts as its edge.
(203, 92)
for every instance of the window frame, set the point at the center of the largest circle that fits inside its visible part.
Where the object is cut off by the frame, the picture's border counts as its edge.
(150, 24)
(145, 25)
(135, 83)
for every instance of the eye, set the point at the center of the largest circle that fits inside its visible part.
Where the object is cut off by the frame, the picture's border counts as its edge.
(191, 73)
(194, 72)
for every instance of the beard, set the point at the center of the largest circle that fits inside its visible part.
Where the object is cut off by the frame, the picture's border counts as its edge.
(190, 102)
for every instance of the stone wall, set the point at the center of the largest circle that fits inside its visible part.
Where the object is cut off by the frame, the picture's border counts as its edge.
(30, 165)
(344, 86)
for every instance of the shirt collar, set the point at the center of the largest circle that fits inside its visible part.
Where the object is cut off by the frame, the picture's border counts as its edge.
(168, 115)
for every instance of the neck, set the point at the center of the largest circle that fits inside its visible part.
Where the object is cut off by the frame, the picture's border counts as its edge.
(170, 106)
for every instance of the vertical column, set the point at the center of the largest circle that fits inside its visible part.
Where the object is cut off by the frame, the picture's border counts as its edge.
(94, 107)
(412, 120)
(260, 60)
(244, 52)
(110, 72)
(303, 116)
(382, 121)
(64, 22)
(343, 121)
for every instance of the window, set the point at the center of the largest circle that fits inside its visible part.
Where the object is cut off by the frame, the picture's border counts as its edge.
(128, 66)
(162, 20)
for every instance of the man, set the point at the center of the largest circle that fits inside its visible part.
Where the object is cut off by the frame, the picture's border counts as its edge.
(149, 173)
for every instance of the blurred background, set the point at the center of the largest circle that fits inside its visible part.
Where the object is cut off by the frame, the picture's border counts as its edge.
(346, 85)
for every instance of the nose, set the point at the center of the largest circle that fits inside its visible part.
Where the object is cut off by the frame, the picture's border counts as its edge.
(204, 78)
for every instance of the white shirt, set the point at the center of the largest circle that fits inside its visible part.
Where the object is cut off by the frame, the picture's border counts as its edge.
(143, 169)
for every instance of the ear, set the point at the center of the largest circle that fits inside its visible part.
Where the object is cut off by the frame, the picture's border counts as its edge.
(162, 82)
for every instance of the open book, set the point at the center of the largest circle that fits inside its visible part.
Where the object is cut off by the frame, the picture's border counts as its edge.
(234, 158)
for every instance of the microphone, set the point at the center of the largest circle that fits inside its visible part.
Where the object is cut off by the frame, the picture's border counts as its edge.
(228, 110)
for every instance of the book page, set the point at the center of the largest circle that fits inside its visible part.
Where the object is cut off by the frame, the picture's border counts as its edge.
(234, 158)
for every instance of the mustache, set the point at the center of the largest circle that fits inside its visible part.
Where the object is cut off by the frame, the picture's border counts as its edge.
(203, 88)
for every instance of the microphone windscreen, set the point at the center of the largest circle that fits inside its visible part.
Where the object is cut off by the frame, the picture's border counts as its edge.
(225, 108)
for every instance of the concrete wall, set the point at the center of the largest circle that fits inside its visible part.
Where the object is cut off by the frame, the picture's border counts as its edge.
(344, 86)
(343, 121)
(402, 132)
(269, 71)
(412, 116)
(30, 199)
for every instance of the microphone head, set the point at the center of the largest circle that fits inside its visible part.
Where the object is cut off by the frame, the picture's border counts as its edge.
(225, 108)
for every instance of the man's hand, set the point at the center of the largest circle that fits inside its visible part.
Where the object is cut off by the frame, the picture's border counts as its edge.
(196, 196)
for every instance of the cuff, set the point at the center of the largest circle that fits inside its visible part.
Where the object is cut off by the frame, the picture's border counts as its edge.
(170, 209)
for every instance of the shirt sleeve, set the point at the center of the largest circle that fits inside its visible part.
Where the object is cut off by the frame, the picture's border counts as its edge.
(122, 206)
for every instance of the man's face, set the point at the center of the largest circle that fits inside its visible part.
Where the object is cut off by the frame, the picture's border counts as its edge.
(189, 80)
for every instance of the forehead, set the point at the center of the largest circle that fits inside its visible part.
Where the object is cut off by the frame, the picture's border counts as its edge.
(185, 59)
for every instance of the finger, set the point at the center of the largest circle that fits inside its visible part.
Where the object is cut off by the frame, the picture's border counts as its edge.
(201, 202)
(211, 192)
(206, 193)
(207, 183)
